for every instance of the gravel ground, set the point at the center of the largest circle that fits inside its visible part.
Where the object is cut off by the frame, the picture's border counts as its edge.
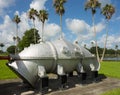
(74, 86)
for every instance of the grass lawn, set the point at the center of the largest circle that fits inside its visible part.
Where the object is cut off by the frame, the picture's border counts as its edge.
(110, 68)
(112, 92)
(5, 72)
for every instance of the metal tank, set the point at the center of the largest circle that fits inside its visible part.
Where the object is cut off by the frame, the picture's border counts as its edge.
(89, 61)
(60, 57)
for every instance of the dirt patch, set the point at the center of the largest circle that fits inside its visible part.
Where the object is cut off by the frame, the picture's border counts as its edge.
(74, 86)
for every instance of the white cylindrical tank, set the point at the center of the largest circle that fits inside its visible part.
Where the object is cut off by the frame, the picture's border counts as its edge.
(26, 62)
(69, 55)
(89, 61)
(60, 56)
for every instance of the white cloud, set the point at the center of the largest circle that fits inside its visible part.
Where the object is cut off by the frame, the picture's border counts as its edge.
(51, 30)
(7, 31)
(38, 4)
(84, 33)
(24, 24)
(114, 41)
(16, 13)
(5, 4)
(111, 40)
(99, 27)
(82, 30)
(77, 26)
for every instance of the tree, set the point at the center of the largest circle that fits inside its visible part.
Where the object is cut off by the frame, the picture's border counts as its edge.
(116, 47)
(14, 38)
(93, 5)
(2, 45)
(32, 14)
(58, 4)
(11, 49)
(17, 20)
(107, 11)
(85, 46)
(92, 50)
(42, 16)
(116, 51)
(92, 43)
(28, 39)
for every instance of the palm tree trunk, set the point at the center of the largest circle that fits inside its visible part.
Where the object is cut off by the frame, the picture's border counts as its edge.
(95, 37)
(16, 48)
(103, 54)
(34, 31)
(61, 36)
(42, 31)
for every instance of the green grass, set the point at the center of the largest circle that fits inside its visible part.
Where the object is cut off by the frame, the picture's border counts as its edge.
(5, 72)
(110, 68)
(112, 92)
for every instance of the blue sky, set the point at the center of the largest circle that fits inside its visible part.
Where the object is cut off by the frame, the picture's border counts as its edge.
(77, 23)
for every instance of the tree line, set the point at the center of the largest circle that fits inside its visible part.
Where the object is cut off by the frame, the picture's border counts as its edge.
(28, 38)
(109, 52)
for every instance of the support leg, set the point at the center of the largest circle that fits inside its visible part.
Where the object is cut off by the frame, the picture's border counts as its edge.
(83, 77)
(43, 85)
(63, 81)
(70, 74)
(95, 76)
(43, 80)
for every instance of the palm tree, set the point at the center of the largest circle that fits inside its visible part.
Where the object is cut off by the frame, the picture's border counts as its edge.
(92, 43)
(116, 47)
(107, 11)
(2, 45)
(116, 51)
(58, 4)
(17, 20)
(32, 14)
(93, 5)
(85, 46)
(42, 15)
(14, 39)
